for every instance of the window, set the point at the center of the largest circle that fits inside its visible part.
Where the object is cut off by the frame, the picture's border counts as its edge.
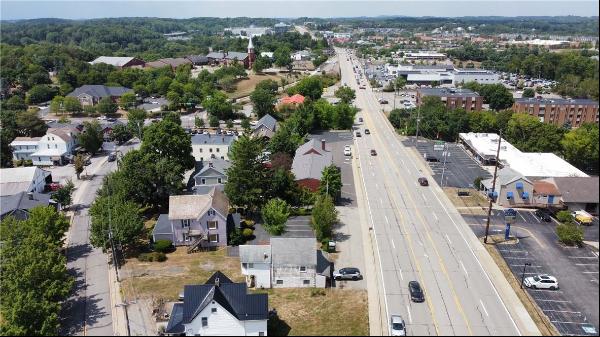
(210, 149)
(48, 145)
(200, 150)
(213, 310)
(52, 138)
(185, 223)
(219, 180)
(261, 333)
(204, 322)
(217, 149)
(203, 181)
(279, 281)
(56, 146)
(306, 282)
(212, 224)
(213, 238)
(303, 269)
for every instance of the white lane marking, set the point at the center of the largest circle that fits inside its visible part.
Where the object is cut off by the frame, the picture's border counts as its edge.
(590, 272)
(586, 264)
(583, 257)
(522, 265)
(386, 219)
(463, 268)
(563, 311)
(393, 245)
(402, 161)
(555, 301)
(381, 202)
(436, 219)
(483, 307)
(376, 185)
(409, 315)
(521, 216)
(448, 238)
(423, 195)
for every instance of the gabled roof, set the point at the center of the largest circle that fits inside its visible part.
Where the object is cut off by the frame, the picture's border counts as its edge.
(113, 60)
(294, 252)
(505, 176)
(21, 201)
(545, 187)
(295, 99)
(195, 206)
(99, 91)
(255, 254)
(209, 139)
(232, 55)
(233, 297)
(310, 160)
(578, 189)
(218, 165)
(268, 121)
(162, 226)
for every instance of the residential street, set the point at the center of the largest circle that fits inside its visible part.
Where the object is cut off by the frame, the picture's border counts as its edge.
(89, 309)
(420, 236)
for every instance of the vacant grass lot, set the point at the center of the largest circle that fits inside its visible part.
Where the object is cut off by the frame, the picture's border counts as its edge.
(246, 86)
(305, 311)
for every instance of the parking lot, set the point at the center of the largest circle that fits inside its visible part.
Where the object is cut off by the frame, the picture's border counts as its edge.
(573, 308)
(460, 168)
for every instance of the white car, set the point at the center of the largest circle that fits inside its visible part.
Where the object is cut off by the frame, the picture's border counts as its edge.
(397, 326)
(541, 282)
(347, 151)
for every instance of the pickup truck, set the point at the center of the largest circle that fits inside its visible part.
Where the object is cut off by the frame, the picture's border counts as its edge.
(583, 217)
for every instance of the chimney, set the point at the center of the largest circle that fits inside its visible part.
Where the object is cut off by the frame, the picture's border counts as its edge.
(217, 282)
(30, 195)
(323, 144)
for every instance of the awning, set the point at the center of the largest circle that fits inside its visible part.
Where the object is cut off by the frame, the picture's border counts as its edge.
(493, 195)
(509, 195)
(525, 195)
(519, 185)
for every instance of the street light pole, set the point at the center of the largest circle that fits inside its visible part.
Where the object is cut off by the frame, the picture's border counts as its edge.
(418, 120)
(444, 167)
(487, 226)
(523, 275)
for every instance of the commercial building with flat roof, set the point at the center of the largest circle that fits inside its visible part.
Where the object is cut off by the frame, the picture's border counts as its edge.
(453, 98)
(559, 111)
(532, 165)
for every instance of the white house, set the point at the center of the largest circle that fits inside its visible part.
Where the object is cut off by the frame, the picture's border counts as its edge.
(23, 179)
(256, 265)
(512, 189)
(23, 147)
(207, 146)
(286, 263)
(54, 146)
(219, 307)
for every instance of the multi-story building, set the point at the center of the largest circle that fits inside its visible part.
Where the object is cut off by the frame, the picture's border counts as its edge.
(453, 98)
(559, 111)
(207, 146)
(52, 149)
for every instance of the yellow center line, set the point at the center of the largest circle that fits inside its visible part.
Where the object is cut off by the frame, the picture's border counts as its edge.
(427, 231)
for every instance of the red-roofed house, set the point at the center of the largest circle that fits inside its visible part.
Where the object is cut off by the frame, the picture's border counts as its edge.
(294, 100)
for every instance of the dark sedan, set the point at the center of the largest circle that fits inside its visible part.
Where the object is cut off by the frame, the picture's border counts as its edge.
(416, 293)
(423, 181)
(543, 215)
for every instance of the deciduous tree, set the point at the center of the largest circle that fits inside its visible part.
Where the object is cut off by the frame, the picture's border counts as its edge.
(275, 214)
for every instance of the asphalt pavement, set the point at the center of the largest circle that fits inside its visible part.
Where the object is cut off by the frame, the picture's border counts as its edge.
(420, 236)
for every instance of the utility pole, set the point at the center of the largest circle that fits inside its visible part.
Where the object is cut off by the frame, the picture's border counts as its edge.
(523, 275)
(487, 226)
(444, 167)
(418, 120)
(110, 238)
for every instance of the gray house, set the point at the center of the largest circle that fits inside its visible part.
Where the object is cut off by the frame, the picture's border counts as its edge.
(197, 221)
(512, 189)
(19, 205)
(212, 173)
(92, 94)
(265, 127)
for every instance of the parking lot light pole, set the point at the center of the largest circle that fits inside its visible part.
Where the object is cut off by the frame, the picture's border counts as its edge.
(523, 275)
(487, 226)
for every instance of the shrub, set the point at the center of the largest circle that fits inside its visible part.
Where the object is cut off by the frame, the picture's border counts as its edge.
(163, 246)
(248, 224)
(152, 257)
(565, 217)
(317, 292)
(236, 238)
(247, 232)
(570, 234)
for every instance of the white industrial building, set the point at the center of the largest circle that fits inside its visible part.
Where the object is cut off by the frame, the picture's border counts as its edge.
(441, 73)
(532, 165)
(23, 179)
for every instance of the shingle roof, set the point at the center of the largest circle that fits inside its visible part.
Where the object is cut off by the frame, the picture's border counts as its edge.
(233, 297)
(113, 60)
(232, 55)
(310, 160)
(219, 165)
(268, 121)
(99, 91)
(578, 189)
(21, 201)
(175, 325)
(294, 252)
(163, 225)
(212, 139)
(545, 187)
(505, 176)
(194, 206)
(197, 58)
(295, 99)
(255, 254)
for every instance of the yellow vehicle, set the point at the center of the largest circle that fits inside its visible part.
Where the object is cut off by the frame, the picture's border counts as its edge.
(583, 217)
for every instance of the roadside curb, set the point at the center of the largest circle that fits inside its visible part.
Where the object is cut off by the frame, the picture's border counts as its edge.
(117, 306)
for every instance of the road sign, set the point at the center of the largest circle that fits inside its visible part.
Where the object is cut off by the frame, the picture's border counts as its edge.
(438, 147)
(510, 216)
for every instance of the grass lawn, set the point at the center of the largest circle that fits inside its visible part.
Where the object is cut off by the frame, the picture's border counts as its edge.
(246, 86)
(475, 201)
(303, 311)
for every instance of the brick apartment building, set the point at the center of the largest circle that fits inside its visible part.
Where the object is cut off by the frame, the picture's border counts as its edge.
(559, 111)
(453, 98)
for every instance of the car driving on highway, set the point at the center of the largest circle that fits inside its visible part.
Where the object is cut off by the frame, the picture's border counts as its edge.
(541, 282)
(367, 132)
(397, 326)
(416, 293)
(543, 215)
(347, 151)
(373, 152)
(423, 181)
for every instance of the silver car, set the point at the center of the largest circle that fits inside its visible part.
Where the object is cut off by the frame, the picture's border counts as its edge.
(347, 274)
(397, 326)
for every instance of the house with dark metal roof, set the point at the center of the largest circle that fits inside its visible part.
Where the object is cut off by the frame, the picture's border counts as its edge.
(197, 59)
(19, 205)
(265, 127)
(120, 62)
(168, 62)
(220, 307)
(578, 193)
(309, 161)
(92, 94)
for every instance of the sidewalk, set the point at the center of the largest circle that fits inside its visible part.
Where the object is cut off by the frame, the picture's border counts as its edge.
(119, 309)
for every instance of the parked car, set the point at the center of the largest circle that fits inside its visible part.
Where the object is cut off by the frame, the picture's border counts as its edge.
(373, 152)
(360, 119)
(432, 159)
(397, 326)
(541, 282)
(358, 134)
(383, 101)
(347, 151)
(367, 132)
(362, 87)
(112, 157)
(349, 273)
(416, 293)
(543, 215)
(423, 181)
(53, 187)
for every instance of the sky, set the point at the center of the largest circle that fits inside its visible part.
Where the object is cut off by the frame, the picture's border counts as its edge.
(89, 9)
